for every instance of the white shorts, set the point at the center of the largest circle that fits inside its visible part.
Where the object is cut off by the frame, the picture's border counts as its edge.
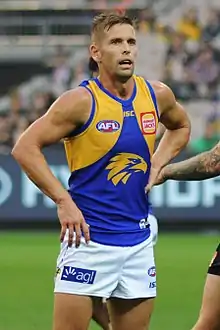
(107, 271)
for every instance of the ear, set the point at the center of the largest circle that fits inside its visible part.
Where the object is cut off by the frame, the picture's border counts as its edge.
(95, 53)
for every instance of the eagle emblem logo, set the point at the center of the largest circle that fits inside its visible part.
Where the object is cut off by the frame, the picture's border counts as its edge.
(123, 165)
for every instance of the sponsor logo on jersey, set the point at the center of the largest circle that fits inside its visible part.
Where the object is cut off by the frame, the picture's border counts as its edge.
(123, 165)
(148, 123)
(80, 275)
(108, 126)
(152, 271)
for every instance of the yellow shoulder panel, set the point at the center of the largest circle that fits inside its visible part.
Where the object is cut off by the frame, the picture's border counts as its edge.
(146, 113)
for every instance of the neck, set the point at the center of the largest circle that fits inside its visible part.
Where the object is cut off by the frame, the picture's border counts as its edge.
(122, 90)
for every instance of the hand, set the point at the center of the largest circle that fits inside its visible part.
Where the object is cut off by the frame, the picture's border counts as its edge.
(161, 178)
(157, 177)
(71, 218)
(154, 172)
(156, 180)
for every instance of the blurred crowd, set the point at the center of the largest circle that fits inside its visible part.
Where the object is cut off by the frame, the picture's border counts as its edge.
(24, 110)
(192, 65)
(191, 69)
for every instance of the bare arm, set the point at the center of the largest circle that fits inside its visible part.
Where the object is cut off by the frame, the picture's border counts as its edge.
(200, 167)
(67, 112)
(58, 122)
(176, 121)
(177, 133)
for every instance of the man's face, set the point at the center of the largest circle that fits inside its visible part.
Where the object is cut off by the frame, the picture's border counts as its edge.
(117, 51)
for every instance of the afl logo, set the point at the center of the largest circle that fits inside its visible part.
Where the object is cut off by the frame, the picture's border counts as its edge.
(152, 271)
(108, 126)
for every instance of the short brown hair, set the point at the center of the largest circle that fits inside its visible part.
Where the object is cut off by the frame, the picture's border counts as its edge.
(105, 21)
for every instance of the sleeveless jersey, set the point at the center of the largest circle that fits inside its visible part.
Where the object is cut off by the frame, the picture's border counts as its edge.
(110, 160)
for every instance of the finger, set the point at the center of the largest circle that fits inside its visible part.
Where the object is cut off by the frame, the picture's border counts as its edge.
(148, 188)
(151, 182)
(78, 235)
(86, 233)
(63, 232)
(70, 236)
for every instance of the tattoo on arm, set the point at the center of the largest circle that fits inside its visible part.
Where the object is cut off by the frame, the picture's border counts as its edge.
(200, 167)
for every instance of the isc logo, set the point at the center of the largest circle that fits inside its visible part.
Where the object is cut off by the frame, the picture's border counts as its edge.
(153, 285)
(130, 113)
(148, 123)
(108, 126)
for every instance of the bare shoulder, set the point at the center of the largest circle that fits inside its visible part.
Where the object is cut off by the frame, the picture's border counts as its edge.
(74, 105)
(71, 110)
(164, 95)
(172, 113)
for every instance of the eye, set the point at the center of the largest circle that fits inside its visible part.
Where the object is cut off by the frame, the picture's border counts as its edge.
(116, 41)
(132, 41)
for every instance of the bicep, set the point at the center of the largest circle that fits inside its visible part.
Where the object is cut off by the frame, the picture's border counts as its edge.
(60, 120)
(174, 117)
(172, 114)
(48, 129)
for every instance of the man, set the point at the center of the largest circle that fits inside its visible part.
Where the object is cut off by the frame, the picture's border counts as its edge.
(93, 68)
(100, 312)
(109, 125)
(203, 166)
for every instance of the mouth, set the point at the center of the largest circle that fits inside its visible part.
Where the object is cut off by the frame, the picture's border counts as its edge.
(126, 64)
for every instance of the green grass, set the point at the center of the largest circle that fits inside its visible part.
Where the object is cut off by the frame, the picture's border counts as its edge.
(27, 267)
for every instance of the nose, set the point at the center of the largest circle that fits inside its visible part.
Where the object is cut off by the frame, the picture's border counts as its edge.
(126, 48)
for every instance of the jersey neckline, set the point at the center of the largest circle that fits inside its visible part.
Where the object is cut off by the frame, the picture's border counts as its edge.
(123, 102)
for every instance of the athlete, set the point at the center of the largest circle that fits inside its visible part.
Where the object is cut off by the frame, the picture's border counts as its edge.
(109, 125)
(100, 312)
(201, 167)
(93, 68)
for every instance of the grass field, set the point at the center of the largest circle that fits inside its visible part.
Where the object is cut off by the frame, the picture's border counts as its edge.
(27, 267)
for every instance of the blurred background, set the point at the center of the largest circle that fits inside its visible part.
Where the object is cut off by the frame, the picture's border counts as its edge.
(43, 52)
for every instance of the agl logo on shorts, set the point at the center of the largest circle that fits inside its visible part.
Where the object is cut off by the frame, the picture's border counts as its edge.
(108, 126)
(80, 275)
(148, 123)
